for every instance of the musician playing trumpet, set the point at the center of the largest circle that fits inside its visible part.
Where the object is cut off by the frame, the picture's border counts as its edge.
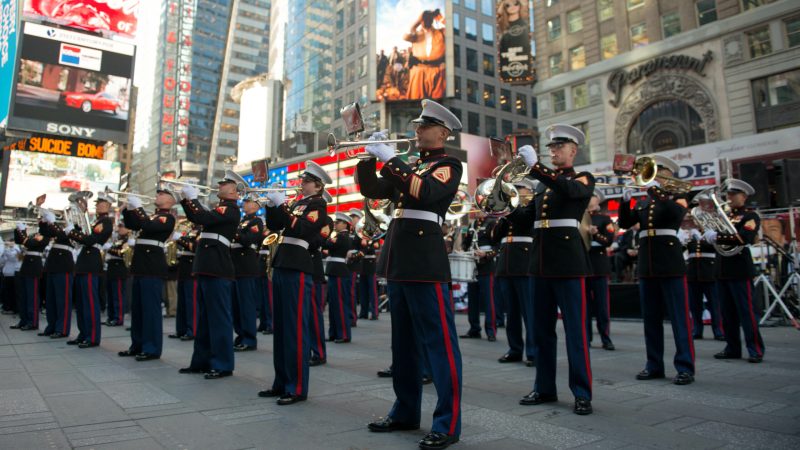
(59, 267)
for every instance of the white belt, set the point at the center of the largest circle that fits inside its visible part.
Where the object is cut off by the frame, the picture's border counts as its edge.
(33, 253)
(596, 244)
(369, 257)
(98, 246)
(263, 252)
(217, 237)
(336, 259)
(238, 245)
(512, 239)
(152, 242)
(657, 232)
(110, 257)
(62, 247)
(702, 255)
(417, 214)
(294, 241)
(486, 248)
(185, 253)
(556, 223)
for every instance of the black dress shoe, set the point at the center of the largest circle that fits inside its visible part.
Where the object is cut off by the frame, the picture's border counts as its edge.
(530, 363)
(582, 407)
(427, 380)
(385, 373)
(373, 318)
(501, 325)
(57, 336)
(609, 347)
(28, 328)
(16, 327)
(87, 345)
(290, 399)
(267, 331)
(755, 359)
(387, 424)
(146, 357)
(127, 353)
(44, 333)
(244, 348)
(698, 337)
(436, 440)
(187, 338)
(190, 370)
(363, 317)
(341, 341)
(725, 355)
(174, 336)
(719, 338)
(213, 374)
(683, 378)
(270, 393)
(491, 338)
(74, 342)
(509, 358)
(648, 375)
(470, 336)
(535, 398)
(316, 361)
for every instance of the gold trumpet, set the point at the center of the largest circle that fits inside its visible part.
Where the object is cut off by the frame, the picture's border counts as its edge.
(334, 145)
(643, 172)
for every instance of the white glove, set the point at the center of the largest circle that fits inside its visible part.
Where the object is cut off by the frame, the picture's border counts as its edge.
(134, 202)
(131, 242)
(683, 236)
(528, 155)
(696, 234)
(176, 235)
(189, 192)
(107, 246)
(275, 198)
(21, 226)
(627, 194)
(68, 229)
(383, 152)
(710, 236)
(48, 216)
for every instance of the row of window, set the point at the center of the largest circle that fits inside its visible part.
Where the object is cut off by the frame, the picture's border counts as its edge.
(486, 6)
(471, 29)
(487, 63)
(472, 124)
(487, 97)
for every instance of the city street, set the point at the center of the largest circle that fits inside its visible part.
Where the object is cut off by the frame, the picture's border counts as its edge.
(58, 396)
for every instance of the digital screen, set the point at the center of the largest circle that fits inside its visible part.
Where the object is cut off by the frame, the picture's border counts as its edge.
(514, 42)
(8, 54)
(105, 16)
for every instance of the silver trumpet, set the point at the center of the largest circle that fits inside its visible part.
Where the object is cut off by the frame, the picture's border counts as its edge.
(334, 146)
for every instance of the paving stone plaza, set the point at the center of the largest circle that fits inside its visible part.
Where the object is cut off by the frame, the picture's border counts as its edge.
(55, 396)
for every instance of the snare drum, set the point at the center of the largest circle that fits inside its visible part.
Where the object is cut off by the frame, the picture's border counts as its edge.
(462, 266)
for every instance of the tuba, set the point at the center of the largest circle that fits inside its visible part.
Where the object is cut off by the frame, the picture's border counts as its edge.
(712, 214)
(497, 196)
(127, 255)
(373, 228)
(77, 213)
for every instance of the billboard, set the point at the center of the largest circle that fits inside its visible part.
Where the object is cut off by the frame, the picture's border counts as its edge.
(514, 42)
(411, 49)
(56, 145)
(31, 174)
(8, 54)
(72, 84)
(104, 16)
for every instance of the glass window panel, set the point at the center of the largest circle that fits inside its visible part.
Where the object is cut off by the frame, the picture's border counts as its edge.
(456, 23)
(554, 28)
(605, 9)
(793, 32)
(706, 11)
(491, 126)
(505, 100)
(487, 33)
(580, 96)
(608, 46)
(577, 58)
(472, 91)
(488, 64)
(471, 28)
(635, 3)
(759, 43)
(559, 101)
(521, 104)
(639, 35)
(671, 24)
(474, 126)
(486, 7)
(556, 64)
(457, 87)
(472, 60)
(469, 4)
(574, 21)
(507, 127)
(488, 95)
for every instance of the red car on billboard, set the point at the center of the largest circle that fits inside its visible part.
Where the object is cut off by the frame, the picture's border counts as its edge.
(71, 183)
(115, 16)
(90, 101)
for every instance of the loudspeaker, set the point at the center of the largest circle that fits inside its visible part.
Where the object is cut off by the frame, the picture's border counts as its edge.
(755, 174)
(787, 182)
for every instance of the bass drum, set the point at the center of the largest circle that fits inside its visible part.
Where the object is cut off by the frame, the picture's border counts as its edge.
(462, 266)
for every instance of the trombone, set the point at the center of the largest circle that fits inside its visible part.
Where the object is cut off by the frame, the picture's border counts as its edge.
(334, 145)
(146, 199)
(200, 187)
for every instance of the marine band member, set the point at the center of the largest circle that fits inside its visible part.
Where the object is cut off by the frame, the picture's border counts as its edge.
(60, 267)
(597, 295)
(244, 252)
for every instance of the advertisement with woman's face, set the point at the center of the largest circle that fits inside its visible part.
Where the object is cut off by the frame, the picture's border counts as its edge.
(514, 42)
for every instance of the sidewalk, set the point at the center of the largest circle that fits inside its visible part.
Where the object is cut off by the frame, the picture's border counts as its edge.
(58, 396)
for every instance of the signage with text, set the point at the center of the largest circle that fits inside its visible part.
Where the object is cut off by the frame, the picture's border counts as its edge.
(59, 146)
(619, 78)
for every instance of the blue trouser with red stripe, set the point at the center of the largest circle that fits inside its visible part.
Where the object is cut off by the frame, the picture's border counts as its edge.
(317, 321)
(245, 295)
(29, 313)
(59, 293)
(50, 308)
(213, 339)
(696, 291)
(421, 313)
(291, 340)
(368, 295)
(598, 306)
(87, 287)
(353, 299)
(265, 308)
(480, 293)
(115, 288)
(519, 294)
(186, 315)
(738, 310)
(339, 304)
(660, 296)
(146, 323)
(568, 295)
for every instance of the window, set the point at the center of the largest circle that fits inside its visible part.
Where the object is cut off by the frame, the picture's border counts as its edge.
(471, 28)
(556, 64)
(488, 64)
(635, 3)
(792, 31)
(363, 35)
(758, 41)
(584, 155)
(574, 21)
(488, 96)
(577, 58)
(350, 44)
(505, 100)
(486, 7)
(670, 24)
(474, 126)
(456, 55)
(507, 127)
(521, 105)
(706, 11)
(487, 33)
(339, 77)
(469, 4)
(350, 75)
(472, 60)
(551, 3)
(580, 96)
(750, 4)
(608, 46)
(534, 108)
(491, 126)
(339, 50)
(639, 35)
(554, 28)
(457, 87)
(605, 9)
(456, 24)
(558, 101)
(362, 98)
(776, 99)
(362, 66)
(472, 91)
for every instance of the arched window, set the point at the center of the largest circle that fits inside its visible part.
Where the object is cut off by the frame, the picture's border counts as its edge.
(665, 125)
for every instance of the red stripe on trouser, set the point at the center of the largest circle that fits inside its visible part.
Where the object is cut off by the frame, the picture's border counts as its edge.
(341, 306)
(119, 295)
(91, 306)
(451, 360)
(608, 307)
(269, 296)
(300, 356)
(316, 319)
(353, 312)
(491, 303)
(35, 317)
(67, 311)
(753, 319)
(375, 295)
(194, 307)
(688, 317)
(583, 330)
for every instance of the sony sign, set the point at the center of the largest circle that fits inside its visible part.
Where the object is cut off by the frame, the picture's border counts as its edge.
(70, 130)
